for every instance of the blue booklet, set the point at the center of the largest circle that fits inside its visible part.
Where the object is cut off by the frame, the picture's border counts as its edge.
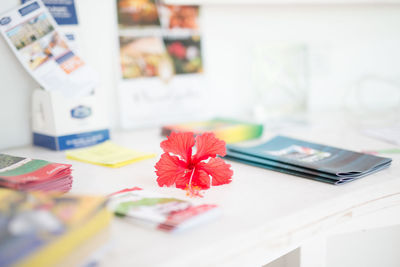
(310, 160)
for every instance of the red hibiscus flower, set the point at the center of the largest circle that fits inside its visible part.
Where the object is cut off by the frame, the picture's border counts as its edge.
(193, 172)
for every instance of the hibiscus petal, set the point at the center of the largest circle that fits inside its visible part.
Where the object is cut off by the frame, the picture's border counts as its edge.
(183, 181)
(169, 169)
(218, 169)
(179, 144)
(208, 146)
(199, 179)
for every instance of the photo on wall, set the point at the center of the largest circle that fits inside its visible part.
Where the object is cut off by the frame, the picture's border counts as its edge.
(137, 13)
(179, 17)
(140, 56)
(185, 54)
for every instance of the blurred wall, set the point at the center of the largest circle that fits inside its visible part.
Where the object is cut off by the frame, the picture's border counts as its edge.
(346, 45)
(15, 89)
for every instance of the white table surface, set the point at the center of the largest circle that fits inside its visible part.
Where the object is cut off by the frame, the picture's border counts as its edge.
(264, 214)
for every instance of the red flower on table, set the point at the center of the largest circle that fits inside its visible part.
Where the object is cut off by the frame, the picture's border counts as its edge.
(191, 172)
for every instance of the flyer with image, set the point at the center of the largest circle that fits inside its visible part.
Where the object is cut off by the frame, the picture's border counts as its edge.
(160, 63)
(43, 50)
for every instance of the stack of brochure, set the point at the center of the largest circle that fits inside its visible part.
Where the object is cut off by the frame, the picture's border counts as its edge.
(158, 211)
(310, 160)
(32, 174)
(38, 229)
(231, 131)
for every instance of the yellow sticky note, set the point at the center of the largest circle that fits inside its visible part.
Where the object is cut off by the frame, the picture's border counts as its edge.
(108, 154)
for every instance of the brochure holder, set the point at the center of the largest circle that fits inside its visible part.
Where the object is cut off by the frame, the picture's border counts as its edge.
(61, 123)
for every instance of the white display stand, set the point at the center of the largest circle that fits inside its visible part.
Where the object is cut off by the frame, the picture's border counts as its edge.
(61, 123)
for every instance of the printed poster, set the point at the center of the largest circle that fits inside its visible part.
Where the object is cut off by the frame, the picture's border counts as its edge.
(160, 62)
(44, 51)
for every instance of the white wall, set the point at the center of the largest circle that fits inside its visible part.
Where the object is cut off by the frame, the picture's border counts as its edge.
(15, 88)
(346, 43)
